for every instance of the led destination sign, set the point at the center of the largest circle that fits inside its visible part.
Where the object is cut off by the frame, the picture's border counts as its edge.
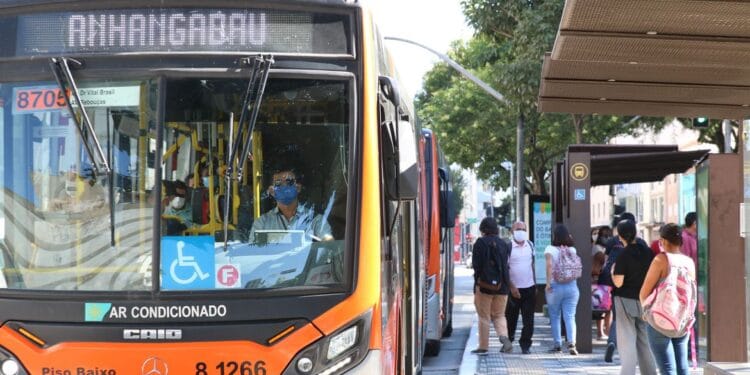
(182, 30)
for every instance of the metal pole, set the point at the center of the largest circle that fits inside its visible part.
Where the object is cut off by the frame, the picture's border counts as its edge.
(512, 196)
(454, 65)
(492, 202)
(519, 168)
(727, 125)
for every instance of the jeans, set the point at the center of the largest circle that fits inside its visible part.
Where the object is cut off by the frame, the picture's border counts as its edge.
(632, 338)
(563, 299)
(491, 311)
(525, 305)
(613, 329)
(671, 354)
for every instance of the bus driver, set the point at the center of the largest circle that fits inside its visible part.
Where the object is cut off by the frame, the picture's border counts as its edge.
(289, 213)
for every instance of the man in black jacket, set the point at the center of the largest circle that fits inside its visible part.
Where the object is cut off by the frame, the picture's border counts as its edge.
(491, 285)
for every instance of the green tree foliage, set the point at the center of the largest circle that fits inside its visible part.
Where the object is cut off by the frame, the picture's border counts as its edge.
(458, 185)
(478, 132)
(714, 133)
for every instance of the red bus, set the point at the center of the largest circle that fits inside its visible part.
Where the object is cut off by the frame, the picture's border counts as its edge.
(437, 220)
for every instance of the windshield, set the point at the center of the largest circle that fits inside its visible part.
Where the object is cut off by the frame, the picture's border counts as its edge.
(62, 227)
(287, 204)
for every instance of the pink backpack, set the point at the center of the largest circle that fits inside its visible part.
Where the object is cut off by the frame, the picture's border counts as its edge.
(670, 308)
(568, 266)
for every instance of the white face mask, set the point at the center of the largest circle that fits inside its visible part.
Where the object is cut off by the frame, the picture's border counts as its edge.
(178, 203)
(520, 235)
(594, 237)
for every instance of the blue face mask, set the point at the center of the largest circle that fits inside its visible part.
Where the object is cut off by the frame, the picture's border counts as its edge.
(285, 194)
(205, 181)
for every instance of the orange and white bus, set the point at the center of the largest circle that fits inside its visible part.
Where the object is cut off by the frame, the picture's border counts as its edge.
(438, 218)
(192, 187)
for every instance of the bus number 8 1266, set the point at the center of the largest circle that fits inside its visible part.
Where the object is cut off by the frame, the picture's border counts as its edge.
(232, 368)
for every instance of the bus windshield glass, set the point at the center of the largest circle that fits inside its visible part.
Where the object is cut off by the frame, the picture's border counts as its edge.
(287, 204)
(61, 226)
(64, 228)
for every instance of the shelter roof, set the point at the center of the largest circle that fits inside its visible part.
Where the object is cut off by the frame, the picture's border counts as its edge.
(625, 164)
(654, 58)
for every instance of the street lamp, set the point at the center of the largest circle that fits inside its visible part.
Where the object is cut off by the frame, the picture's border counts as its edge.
(509, 167)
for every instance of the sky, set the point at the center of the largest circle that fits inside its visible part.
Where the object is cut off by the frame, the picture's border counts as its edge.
(433, 23)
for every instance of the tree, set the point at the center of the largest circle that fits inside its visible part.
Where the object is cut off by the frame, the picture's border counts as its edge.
(476, 131)
(714, 133)
(458, 185)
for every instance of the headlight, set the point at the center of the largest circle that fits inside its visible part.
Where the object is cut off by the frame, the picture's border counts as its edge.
(9, 365)
(342, 341)
(335, 353)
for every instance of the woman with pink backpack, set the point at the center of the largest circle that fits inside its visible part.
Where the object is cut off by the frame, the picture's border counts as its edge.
(563, 268)
(668, 296)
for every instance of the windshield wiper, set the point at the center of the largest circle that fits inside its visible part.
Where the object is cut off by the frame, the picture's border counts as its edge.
(261, 66)
(64, 78)
(65, 81)
(256, 86)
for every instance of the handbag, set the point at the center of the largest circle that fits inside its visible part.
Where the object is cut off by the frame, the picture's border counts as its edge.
(601, 297)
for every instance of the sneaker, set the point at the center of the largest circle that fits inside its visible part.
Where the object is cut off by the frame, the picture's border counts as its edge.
(507, 345)
(556, 349)
(609, 353)
(525, 350)
(572, 349)
(479, 351)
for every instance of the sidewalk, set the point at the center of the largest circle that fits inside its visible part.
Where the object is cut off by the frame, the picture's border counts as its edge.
(539, 362)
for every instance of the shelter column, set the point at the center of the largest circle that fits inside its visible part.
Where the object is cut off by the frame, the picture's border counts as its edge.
(577, 219)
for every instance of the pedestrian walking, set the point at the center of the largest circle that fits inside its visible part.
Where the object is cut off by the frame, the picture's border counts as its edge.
(563, 269)
(628, 274)
(669, 296)
(522, 286)
(491, 285)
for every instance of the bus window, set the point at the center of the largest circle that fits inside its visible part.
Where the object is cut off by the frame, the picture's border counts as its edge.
(59, 232)
(287, 209)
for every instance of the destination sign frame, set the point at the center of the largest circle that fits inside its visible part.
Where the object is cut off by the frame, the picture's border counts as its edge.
(179, 30)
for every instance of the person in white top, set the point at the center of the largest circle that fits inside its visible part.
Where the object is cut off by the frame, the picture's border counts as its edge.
(522, 286)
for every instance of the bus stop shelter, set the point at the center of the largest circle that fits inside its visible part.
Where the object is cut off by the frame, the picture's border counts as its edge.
(683, 58)
(593, 165)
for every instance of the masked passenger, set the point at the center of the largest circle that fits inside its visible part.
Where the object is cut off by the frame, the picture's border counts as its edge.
(176, 205)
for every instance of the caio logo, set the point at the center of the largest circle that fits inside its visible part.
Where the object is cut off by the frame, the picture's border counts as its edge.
(154, 366)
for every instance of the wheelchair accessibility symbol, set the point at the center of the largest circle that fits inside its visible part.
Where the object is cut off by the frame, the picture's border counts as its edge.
(187, 263)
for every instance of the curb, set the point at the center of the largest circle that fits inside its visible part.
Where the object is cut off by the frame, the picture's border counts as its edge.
(469, 361)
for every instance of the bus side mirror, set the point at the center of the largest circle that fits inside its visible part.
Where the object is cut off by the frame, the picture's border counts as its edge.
(408, 172)
(400, 173)
(398, 144)
(390, 89)
(447, 209)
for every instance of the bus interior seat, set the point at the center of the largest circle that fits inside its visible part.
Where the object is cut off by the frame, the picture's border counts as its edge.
(198, 199)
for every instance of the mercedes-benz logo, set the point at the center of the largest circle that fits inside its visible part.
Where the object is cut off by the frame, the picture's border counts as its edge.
(154, 366)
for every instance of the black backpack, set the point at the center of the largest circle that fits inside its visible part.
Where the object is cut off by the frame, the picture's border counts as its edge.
(491, 274)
